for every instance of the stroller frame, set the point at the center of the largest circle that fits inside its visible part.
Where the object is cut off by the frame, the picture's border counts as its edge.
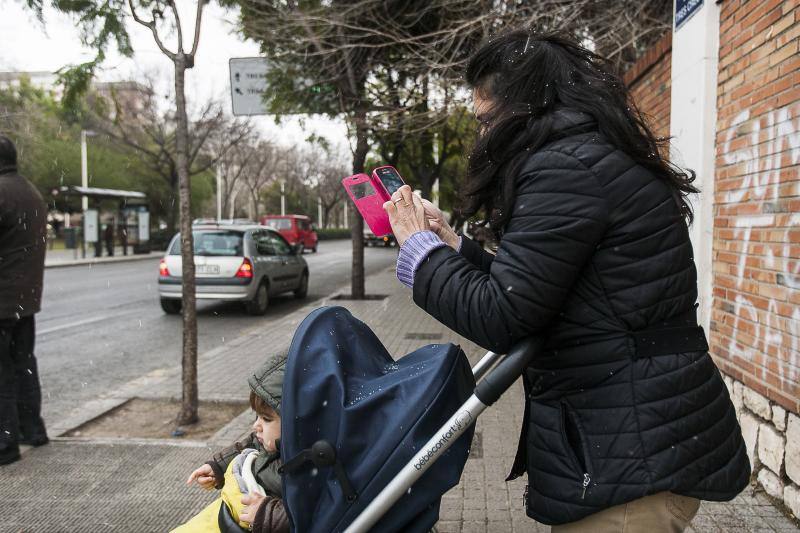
(499, 372)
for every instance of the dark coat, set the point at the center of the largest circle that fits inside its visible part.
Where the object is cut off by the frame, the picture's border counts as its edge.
(594, 257)
(23, 235)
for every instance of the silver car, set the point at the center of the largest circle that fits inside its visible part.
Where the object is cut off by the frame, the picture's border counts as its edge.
(234, 262)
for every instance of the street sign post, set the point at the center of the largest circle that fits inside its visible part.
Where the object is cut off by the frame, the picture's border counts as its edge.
(684, 9)
(248, 84)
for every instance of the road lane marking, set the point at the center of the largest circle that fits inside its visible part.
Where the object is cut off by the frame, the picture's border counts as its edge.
(77, 323)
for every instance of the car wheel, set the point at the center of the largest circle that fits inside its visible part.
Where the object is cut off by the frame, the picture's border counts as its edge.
(314, 249)
(302, 289)
(171, 306)
(258, 305)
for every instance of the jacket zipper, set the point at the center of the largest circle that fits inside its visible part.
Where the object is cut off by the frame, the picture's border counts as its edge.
(587, 479)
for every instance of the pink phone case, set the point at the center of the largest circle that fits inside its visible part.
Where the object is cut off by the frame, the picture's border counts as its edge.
(370, 205)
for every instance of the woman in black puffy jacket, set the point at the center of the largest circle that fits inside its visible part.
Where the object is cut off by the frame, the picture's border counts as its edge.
(628, 423)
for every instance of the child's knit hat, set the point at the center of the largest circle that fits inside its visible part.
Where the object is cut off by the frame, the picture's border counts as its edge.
(267, 380)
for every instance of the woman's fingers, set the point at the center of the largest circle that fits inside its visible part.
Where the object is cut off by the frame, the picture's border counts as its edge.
(431, 210)
(397, 195)
(407, 194)
(417, 202)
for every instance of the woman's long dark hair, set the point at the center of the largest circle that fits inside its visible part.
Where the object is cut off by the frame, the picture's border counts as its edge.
(526, 76)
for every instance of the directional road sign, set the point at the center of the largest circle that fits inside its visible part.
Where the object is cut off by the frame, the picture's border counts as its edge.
(248, 84)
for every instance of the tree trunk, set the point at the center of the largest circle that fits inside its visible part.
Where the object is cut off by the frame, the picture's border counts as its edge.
(254, 195)
(189, 400)
(172, 209)
(357, 290)
(326, 215)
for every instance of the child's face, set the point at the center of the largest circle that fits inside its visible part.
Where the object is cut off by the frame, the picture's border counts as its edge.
(268, 429)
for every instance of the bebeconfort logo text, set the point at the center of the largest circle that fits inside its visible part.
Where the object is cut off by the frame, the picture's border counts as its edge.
(462, 421)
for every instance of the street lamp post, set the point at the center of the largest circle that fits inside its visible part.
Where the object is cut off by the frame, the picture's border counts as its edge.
(84, 184)
(319, 211)
(283, 198)
(85, 167)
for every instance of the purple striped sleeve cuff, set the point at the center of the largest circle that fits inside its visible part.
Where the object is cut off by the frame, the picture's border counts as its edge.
(413, 252)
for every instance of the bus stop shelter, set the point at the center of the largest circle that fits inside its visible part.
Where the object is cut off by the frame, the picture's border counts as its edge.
(131, 216)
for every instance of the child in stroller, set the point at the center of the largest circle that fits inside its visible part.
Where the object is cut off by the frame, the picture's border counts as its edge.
(247, 472)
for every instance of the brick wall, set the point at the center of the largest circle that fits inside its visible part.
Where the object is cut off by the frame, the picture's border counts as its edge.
(649, 82)
(755, 310)
(755, 319)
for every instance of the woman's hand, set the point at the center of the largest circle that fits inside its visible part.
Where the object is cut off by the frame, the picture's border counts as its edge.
(406, 214)
(439, 225)
(204, 477)
(251, 502)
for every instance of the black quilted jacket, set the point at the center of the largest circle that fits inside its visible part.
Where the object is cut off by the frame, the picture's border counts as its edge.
(595, 257)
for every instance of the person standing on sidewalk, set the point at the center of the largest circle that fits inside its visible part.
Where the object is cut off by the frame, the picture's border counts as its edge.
(23, 236)
(108, 237)
(628, 423)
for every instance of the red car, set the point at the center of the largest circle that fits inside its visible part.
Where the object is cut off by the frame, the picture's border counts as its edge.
(293, 228)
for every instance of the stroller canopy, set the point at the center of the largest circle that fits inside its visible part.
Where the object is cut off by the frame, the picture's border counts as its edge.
(343, 387)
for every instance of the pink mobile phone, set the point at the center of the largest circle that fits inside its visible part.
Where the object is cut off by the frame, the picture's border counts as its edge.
(369, 203)
(387, 180)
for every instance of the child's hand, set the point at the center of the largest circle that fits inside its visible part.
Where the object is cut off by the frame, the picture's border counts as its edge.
(204, 477)
(253, 502)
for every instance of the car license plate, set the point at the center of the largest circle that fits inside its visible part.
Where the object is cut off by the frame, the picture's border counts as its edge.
(208, 269)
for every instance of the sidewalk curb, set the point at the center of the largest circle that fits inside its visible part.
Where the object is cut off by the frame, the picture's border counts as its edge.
(102, 260)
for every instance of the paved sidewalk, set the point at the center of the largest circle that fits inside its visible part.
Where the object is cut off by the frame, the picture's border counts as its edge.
(137, 486)
(65, 258)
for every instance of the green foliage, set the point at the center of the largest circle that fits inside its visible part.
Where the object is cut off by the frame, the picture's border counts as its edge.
(292, 91)
(75, 80)
(49, 149)
(299, 198)
(328, 234)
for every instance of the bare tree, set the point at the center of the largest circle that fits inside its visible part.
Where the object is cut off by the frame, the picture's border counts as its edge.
(232, 162)
(151, 132)
(262, 169)
(329, 189)
(181, 60)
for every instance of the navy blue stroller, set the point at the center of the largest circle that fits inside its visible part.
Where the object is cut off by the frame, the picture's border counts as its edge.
(370, 442)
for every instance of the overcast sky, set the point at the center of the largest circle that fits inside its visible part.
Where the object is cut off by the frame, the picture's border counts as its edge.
(26, 45)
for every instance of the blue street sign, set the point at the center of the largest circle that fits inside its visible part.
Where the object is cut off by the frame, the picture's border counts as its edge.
(684, 9)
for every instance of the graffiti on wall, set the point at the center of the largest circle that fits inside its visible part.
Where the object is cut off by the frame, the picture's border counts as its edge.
(766, 150)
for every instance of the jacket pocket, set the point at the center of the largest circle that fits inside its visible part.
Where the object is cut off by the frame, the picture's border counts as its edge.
(575, 445)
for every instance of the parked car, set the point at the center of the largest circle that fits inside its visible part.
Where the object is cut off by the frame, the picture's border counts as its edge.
(371, 240)
(294, 228)
(234, 262)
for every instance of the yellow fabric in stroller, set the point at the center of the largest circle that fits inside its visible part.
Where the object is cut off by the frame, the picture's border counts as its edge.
(206, 521)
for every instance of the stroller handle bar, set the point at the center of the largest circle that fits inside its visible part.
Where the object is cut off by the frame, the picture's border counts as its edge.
(510, 367)
(494, 384)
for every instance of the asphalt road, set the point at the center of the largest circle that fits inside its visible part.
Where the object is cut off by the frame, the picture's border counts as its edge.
(102, 326)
